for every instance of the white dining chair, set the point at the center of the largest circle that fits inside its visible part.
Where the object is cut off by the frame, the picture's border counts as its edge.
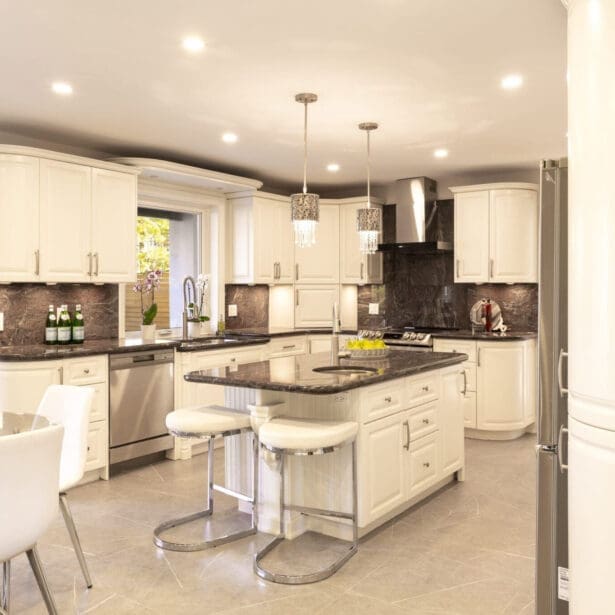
(70, 406)
(29, 471)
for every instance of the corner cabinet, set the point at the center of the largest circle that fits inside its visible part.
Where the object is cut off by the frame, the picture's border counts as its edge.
(260, 244)
(496, 233)
(65, 219)
(355, 267)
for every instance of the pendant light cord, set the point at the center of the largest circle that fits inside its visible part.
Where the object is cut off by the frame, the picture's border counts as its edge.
(305, 148)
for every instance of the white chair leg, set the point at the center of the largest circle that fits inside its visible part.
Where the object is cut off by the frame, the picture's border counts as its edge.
(5, 590)
(39, 574)
(72, 531)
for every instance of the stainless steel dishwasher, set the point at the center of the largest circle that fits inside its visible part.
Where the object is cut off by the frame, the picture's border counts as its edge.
(140, 397)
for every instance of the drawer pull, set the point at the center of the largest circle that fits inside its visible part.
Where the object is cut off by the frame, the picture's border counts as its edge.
(426, 421)
(426, 388)
(426, 464)
(233, 360)
(89, 449)
(86, 371)
(388, 399)
(288, 347)
(407, 444)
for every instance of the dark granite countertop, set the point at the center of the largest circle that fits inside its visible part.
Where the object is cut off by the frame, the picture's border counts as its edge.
(484, 336)
(295, 374)
(282, 332)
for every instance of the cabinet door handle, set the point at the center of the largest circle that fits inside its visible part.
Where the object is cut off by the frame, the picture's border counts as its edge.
(362, 267)
(426, 388)
(297, 272)
(97, 263)
(388, 399)
(61, 374)
(426, 464)
(491, 267)
(478, 358)
(560, 373)
(465, 381)
(407, 444)
(37, 262)
(279, 271)
(457, 265)
(89, 255)
(297, 298)
(426, 421)
(560, 449)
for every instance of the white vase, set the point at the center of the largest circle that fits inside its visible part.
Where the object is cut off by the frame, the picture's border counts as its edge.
(148, 332)
(199, 329)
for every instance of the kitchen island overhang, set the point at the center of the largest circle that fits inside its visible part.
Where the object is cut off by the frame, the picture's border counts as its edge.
(410, 441)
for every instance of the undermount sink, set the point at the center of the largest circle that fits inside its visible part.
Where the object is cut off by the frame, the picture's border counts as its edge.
(346, 370)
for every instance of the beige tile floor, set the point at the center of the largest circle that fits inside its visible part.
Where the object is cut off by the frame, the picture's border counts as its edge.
(468, 550)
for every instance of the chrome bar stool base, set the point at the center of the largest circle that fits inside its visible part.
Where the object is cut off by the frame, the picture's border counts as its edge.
(216, 541)
(318, 575)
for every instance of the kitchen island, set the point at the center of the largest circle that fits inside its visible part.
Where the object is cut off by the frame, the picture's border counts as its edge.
(409, 445)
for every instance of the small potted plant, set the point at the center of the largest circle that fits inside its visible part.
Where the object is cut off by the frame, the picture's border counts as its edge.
(147, 285)
(198, 319)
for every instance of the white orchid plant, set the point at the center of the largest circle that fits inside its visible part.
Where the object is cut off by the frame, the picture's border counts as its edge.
(198, 310)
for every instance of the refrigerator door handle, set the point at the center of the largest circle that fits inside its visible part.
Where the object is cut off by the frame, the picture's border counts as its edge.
(560, 369)
(560, 449)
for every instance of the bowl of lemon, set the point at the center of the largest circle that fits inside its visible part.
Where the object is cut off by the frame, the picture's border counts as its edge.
(367, 349)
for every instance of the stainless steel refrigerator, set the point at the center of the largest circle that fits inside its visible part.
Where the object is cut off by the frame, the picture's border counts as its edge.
(552, 492)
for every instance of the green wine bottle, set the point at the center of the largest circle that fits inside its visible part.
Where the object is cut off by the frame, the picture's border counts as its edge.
(51, 327)
(78, 326)
(64, 326)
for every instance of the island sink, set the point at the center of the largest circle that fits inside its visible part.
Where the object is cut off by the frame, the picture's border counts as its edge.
(346, 370)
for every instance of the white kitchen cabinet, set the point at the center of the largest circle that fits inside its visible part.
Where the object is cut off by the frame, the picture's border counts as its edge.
(496, 233)
(65, 221)
(260, 243)
(423, 464)
(355, 267)
(499, 386)
(319, 264)
(22, 384)
(320, 343)
(19, 218)
(383, 468)
(114, 223)
(287, 346)
(451, 420)
(314, 305)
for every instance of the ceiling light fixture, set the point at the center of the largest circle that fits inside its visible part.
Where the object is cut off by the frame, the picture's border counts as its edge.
(512, 82)
(230, 137)
(441, 153)
(304, 210)
(193, 44)
(62, 88)
(369, 219)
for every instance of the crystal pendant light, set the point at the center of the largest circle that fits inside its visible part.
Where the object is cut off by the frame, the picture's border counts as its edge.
(369, 219)
(304, 205)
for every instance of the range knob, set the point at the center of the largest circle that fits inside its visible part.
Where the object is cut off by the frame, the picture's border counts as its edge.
(379, 335)
(405, 336)
(420, 337)
(413, 336)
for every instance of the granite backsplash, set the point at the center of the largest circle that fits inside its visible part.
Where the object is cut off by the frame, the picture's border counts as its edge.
(25, 310)
(252, 303)
(420, 290)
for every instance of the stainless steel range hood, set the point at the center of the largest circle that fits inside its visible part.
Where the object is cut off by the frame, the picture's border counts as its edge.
(416, 219)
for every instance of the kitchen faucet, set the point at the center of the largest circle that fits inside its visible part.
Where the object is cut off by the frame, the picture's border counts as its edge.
(189, 289)
(335, 337)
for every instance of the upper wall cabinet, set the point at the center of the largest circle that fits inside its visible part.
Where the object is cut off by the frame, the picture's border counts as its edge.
(70, 222)
(496, 233)
(320, 263)
(356, 268)
(260, 248)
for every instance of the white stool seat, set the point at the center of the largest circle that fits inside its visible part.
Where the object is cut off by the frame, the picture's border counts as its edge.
(203, 421)
(306, 434)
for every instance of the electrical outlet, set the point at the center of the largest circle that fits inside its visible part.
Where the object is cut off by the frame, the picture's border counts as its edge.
(232, 309)
(374, 309)
(1, 321)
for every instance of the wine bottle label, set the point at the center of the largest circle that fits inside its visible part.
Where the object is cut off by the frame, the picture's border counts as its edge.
(63, 334)
(51, 334)
(78, 333)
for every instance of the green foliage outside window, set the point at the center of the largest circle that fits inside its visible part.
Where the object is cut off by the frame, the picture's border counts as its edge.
(153, 244)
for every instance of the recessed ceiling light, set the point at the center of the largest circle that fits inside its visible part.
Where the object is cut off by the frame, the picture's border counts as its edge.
(333, 167)
(62, 88)
(230, 137)
(441, 153)
(512, 82)
(193, 44)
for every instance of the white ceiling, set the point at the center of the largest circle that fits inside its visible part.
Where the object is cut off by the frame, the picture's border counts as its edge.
(427, 70)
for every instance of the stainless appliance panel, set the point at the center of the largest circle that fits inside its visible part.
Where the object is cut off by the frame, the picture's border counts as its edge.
(140, 397)
(552, 311)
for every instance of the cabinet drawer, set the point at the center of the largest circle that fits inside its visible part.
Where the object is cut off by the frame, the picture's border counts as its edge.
(85, 371)
(100, 403)
(464, 346)
(287, 346)
(470, 375)
(381, 400)
(423, 421)
(422, 389)
(209, 359)
(97, 452)
(423, 463)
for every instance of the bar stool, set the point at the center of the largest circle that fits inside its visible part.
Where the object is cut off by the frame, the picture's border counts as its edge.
(302, 437)
(209, 422)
